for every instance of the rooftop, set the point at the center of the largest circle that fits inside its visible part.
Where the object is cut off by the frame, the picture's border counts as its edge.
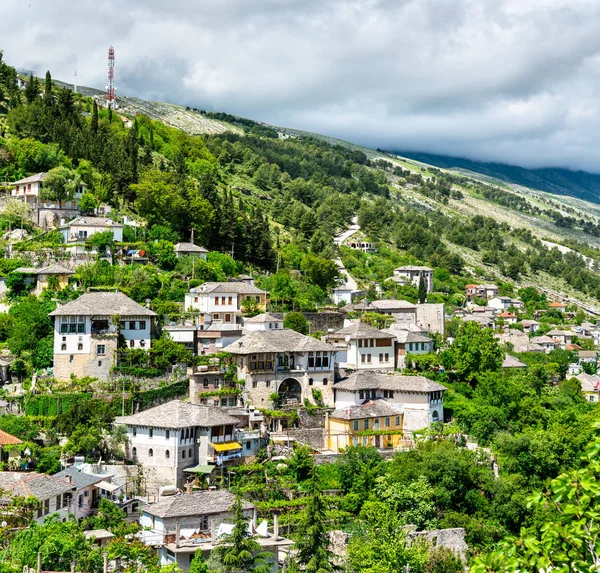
(280, 340)
(413, 268)
(370, 409)
(373, 380)
(230, 287)
(31, 179)
(404, 335)
(189, 248)
(207, 502)
(7, 439)
(54, 269)
(589, 382)
(34, 484)
(78, 478)
(390, 304)
(260, 318)
(360, 330)
(512, 362)
(104, 304)
(177, 414)
(92, 222)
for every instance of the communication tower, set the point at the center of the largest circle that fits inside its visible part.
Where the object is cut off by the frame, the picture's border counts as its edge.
(110, 88)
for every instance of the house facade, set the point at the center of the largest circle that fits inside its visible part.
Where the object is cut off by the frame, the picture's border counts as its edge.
(262, 322)
(284, 362)
(413, 274)
(86, 332)
(86, 493)
(75, 233)
(190, 249)
(420, 400)
(42, 277)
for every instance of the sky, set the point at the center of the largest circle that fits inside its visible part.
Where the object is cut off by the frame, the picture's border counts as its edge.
(515, 81)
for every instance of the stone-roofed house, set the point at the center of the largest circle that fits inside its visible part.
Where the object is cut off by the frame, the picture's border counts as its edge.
(190, 249)
(263, 321)
(285, 362)
(350, 426)
(407, 341)
(224, 301)
(363, 347)
(85, 335)
(42, 276)
(414, 273)
(179, 525)
(420, 400)
(76, 232)
(86, 492)
(54, 494)
(590, 386)
(400, 310)
(512, 362)
(545, 342)
(170, 438)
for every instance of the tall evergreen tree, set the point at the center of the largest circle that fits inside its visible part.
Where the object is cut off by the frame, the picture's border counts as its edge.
(94, 117)
(422, 294)
(198, 564)
(48, 97)
(32, 89)
(238, 551)
(313, 555)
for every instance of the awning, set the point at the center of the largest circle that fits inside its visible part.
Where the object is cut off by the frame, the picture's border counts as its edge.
(226, 446)
(200, 469)
(110, 487)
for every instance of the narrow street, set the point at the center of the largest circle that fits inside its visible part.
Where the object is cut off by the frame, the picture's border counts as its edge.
(338, 240)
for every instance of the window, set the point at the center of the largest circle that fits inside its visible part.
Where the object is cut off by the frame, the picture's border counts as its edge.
(101, 349)
(325, 360)
(324, 381)
(150, 453)
(64, 328)
(269, 365)
(205, 383)
(373, 394)
(72, 328)
(397, 420)
(134, 431)
(355, 425)
(310, 381)
(71, 357)
(99, 362)
(362, 358)
(131, 343)
(248, 446)
(122, 325)
(216, 316)
(223, 401)
(142, 325)
(361, 395)
(227, 318)
(311, 360)
(268, 383)
(387, 357)
(190, 453)
(261, 365)
(81, 328)
(254, 384)
(150, 432)
(80, 346)
(230, 300)
(387, 422)
(132, 325)
(167, 454)
(435, 415)
(183, 454)
(232, 401)
(133, 452)
(223, 300)
(167, 434)
(79, 501)
(318, 360)
(381, 358)
(203, 523)
(63, 346)
(366, 424)
(369, 358)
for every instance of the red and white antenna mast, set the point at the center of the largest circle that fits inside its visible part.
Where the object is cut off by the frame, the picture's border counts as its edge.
(110, 88)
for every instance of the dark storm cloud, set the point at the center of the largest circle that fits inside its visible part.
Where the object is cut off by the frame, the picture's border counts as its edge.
(505, 80)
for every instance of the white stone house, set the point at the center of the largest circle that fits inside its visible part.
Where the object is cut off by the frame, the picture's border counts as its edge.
(75, 233)
(42, 275)
(262, 322)
(545, 342)
(223, 301)
(363, 347)
(179, 525)
(86, 332)
(285, 362)
(86, 494)
(419, 399)
(500, 303)
(414, 273)
(175, 436)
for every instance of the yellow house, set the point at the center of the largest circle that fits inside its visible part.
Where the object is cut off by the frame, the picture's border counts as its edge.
(43, 277)
(374, 423)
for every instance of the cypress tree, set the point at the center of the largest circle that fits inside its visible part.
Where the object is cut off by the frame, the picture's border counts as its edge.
(94, 117)
(422, 294)
(32, 89)
(48, 98)
(110, 114)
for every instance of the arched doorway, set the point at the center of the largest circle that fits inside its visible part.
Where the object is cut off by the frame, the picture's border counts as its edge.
(290, 391)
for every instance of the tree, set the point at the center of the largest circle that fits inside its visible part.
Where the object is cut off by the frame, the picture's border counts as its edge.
(320, 271)
(16, 211)
(94, 124)
(198, 564)
(48, 97)
(568, 539)
(313, 555)
(60, 184)
(300, 462)
(32, 89)
(422, 296)
(165, 352)
(296, 321)
(474, 350)
(88, 203)
(238, 551)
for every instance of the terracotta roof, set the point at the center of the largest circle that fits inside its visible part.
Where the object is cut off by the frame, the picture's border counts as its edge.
(207, 502)
(104, 304)
(7, 439)
(556, 305)
(507, 315)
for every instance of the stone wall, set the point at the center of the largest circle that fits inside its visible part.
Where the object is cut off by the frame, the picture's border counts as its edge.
(453, 539)
(320, 320)
(322, 459)
(87, 364)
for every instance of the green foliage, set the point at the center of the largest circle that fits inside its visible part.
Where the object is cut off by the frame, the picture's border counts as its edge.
(60, 184)
(198, 564)
(30, 324)
(165, 352)
(296, 321)
(300, 462)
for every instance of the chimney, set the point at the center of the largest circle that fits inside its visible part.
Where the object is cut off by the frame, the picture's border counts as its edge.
(213, 531)
(105, 569)
(39, 562)
(177, 533)
(275, 526)
(147, 303)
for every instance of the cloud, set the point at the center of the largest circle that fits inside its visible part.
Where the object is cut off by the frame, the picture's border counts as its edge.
(502, 80)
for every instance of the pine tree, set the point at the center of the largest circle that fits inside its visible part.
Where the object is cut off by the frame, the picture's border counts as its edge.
(198, 564)
(313, 555)
(48, 97)
(238, 551)
(32, 89)
(94, 117)
(422, 294)
(110, 114)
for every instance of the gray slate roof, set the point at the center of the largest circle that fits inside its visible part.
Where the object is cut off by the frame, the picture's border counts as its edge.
(232, 287)
(370, 409)
(260, 318)
(413, 268)
(92, 222)
(31, 179)
(404, 335)
(104, 304)
(55, 269)
(373, 380)
(189, 248)
(387, 304)
(512, 362)
(280, 340)
(34, 484)
(589, 382)
(177, 414)
(198, 503)
(78, 478)
(360, 330)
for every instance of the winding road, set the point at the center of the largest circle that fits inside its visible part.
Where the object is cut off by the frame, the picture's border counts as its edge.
(338, 240)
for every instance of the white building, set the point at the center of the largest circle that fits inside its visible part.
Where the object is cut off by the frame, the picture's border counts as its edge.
(223, 301)
(75, 233)
(419, 399)
(86, 332)
(283, 362)
(29, 189)
(179, 525)
(87, 491)
(363, 347)
(262, 322)
(500, 303)
(414, 274)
